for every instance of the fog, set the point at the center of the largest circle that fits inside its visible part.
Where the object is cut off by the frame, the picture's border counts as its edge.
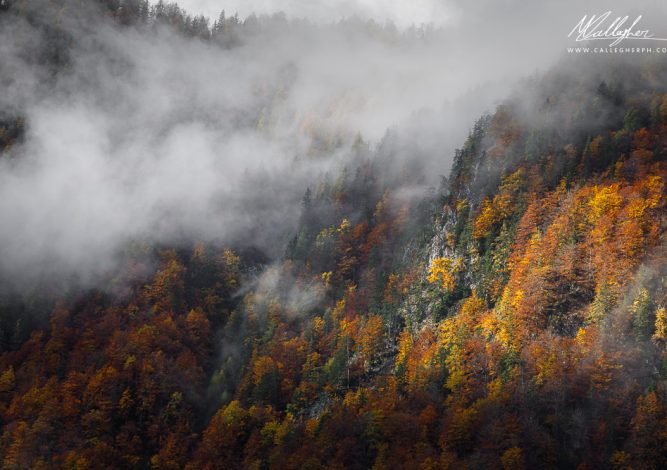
(148, 135)
(401, 13)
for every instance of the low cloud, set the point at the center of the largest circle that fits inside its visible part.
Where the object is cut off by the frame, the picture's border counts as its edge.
(148, 135)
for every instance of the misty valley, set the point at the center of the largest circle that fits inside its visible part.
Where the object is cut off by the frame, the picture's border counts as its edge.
(306, 241)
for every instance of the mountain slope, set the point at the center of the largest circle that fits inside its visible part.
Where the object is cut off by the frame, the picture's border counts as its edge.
(513, 318)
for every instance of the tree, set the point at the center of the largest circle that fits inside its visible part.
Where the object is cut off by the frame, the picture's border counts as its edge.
(642, 310)
(444, 271)
(371, 339)
(660, 335)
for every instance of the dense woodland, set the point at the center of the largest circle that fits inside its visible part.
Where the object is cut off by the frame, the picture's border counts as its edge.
(515, 317)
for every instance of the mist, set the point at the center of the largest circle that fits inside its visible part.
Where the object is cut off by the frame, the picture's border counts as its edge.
(152, 136)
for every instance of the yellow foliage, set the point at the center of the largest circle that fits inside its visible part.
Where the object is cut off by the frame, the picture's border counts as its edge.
(488, 324)
(318, 325)
(444, 270)
(585, 339)
(500, 207)
(637, 207)
(339, 309)
(7, 380)
(324, 236)
(262, 366)
(513, 459)
(495, 388)
(344, 227)
(461, 205)
(232, 413)
(513, 182)
(509, 305)
(355, 398)
(390, 288)
(516, 300)
(371, 338)
(484, 220)
(283, 429)
(620, 460)
(604, 202)
(493, 211)
(455, 379)
(405, 344)
(660, 325)
(654, 186)
(545, 367)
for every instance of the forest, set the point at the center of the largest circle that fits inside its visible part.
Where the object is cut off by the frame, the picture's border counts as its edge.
(509, 312)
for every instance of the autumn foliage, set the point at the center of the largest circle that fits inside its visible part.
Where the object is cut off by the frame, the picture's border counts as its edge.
(514, 318)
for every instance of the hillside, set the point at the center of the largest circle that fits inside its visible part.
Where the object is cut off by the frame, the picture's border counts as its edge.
(513, 317)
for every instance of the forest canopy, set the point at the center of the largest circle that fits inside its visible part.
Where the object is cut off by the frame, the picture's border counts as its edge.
(233, 244)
